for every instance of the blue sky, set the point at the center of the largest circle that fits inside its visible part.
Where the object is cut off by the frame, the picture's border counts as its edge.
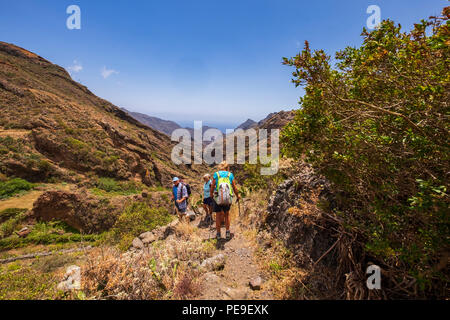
(216, 61)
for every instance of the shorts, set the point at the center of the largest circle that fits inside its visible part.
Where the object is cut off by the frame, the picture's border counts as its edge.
(181, 211)
(220, 208)
(208, 201)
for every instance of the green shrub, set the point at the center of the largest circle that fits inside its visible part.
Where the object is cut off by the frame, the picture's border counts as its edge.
(28, 284)
(136, 219)
(108, 184)
(9, 226)
(253, 180)
(115, 187)
(14, 186)
(10, 213)
(16, 242)
(377, 127)
(10, 144)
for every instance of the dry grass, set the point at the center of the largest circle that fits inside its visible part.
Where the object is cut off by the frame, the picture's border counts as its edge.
(14, 133)
(186, 230)
(24, 202)
(166, 270)
(27, 200)
(286, 279)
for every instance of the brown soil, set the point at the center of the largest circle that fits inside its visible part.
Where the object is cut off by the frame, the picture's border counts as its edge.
(232, 283)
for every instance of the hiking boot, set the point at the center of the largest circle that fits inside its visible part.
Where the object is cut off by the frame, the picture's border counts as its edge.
(218, 236)
(228, 235)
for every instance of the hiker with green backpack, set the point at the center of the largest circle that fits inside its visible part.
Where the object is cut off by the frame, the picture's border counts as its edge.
(222, 187)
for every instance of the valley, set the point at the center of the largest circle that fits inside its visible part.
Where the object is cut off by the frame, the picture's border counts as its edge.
(360, 183)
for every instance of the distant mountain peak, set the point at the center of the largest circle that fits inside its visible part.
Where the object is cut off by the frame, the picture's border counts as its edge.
(247, 124)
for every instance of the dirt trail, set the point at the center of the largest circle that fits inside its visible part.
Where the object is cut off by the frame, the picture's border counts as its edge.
(241, 267)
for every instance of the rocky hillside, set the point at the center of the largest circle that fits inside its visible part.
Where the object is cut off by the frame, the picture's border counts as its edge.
(164, 126)
(276, 120)
(249, 123)
(54, 127)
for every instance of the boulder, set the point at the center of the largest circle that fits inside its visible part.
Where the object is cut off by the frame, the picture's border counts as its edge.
(235, 294)
(255, 283)
(72, 279)
(296, 218)
(78, 210)
(22, 233)
(148, 237)
(214, 263)
(137, 243)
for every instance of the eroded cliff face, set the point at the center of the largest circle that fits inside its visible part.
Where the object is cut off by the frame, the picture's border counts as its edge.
(295, 216)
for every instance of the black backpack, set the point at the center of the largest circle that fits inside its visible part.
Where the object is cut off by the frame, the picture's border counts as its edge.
(188, 189)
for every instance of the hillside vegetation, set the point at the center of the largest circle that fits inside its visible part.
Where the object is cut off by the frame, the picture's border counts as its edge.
(376, 126)
(53, 128)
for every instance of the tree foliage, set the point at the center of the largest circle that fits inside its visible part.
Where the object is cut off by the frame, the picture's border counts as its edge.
(376, 125)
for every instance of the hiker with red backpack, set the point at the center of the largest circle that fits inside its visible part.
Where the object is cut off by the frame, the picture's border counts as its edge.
(222, 187)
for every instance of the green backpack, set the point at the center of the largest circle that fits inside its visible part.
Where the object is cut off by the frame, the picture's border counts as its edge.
(224, 190)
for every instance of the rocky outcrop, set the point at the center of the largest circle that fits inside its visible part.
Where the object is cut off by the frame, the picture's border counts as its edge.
(82, 212)
(276, 120)
(72, 279)
(295, 217)
(147, 238)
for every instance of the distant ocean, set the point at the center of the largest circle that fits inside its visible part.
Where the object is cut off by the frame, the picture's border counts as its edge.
(221, 126)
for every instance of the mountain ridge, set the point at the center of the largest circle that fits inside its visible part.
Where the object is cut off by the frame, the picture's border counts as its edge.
(70, 133)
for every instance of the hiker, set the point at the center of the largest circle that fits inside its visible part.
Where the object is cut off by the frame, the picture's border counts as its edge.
(180, 198)
(223, 185)
(174, 194)
(207, 200)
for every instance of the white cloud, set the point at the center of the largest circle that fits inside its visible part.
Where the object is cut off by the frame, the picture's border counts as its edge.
(298, 44)
(75, 68)
(107, 72)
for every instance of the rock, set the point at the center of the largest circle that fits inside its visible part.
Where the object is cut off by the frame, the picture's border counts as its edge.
(255, 283)
(145, 234)
(137, 243)
(30, 173)
(22, 233)
(214, 263)
(211, 277)
(295, 217)
(235, 294)
(148, 237)
(173, 224)
(80, 211)
(72, 279)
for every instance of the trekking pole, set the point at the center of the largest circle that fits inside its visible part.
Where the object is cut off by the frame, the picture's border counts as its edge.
(239, 206)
